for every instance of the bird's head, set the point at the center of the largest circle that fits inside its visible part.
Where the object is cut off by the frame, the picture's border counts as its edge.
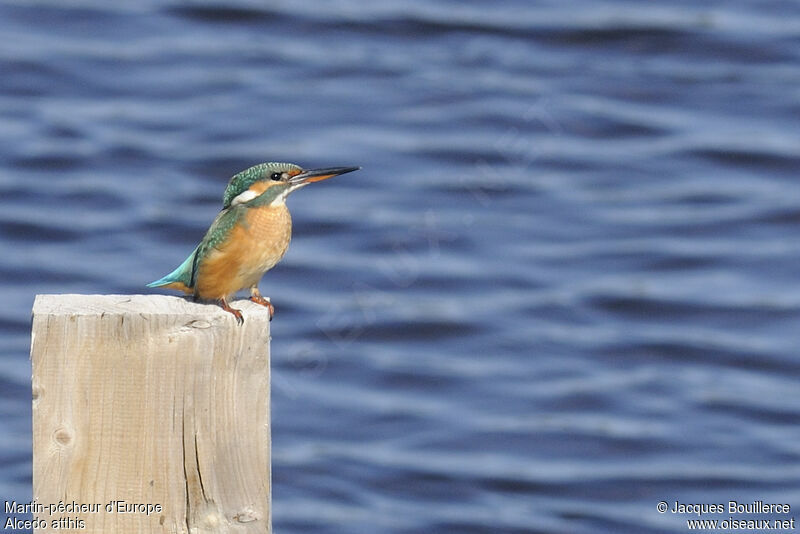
(272, 182)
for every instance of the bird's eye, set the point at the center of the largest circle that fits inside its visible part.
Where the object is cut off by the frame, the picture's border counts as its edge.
(276, 176)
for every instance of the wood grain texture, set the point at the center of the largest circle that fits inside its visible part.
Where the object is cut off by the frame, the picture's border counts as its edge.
(152, 400)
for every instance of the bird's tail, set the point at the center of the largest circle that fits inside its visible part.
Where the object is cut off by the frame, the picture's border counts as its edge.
(180, 278)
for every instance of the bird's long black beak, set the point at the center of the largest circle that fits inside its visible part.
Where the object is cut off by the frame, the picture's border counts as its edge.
(315, 175)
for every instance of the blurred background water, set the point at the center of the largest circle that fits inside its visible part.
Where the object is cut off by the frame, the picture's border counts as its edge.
(562, 288)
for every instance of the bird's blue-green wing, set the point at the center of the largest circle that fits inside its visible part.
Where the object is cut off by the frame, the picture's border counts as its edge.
(219, 231)
(183, 278)
(181, 275)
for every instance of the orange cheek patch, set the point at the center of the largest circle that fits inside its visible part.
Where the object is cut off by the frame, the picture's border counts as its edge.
(260, 187)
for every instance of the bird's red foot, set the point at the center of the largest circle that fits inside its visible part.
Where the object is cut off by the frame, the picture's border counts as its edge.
(236, 313)
(258, 299)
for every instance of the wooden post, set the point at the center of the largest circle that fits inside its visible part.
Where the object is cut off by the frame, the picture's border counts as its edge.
(150, 414)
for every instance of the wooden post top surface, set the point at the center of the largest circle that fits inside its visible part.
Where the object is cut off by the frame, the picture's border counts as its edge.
(77, 304)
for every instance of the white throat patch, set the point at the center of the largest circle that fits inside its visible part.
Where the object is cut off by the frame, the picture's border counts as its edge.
(280, 200)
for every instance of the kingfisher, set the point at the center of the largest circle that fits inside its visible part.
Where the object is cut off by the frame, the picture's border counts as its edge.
(247, 238)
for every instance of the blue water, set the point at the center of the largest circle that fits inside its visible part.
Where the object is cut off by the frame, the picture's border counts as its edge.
(563, 288)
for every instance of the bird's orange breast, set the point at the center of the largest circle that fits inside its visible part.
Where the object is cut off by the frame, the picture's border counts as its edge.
(253, 247)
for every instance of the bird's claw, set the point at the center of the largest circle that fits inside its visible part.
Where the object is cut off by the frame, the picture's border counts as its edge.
(258, 299)
(236, 313)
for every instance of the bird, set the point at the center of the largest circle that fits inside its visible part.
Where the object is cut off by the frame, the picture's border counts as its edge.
(248, 237)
